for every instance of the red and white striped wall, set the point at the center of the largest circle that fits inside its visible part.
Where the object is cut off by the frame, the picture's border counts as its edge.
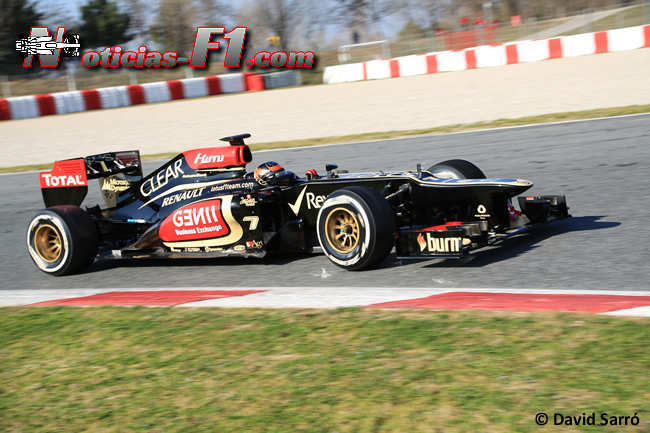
(111, 97)
(630, 38)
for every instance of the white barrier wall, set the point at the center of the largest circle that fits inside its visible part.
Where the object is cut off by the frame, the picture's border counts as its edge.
(497, 55)
(532, 51)
(345, 73)
(412, 65)
(377, 69)
(447, 61)
(195, 88)
(578, 45)
(23, 107)
(69, 102)
(232, 83)
(113, 97)
(156, 92)
(451, 61)
(630, 38)
(489, 56)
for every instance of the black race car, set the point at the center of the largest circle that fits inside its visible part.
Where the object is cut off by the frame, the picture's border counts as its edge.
(204, 203)
(46, 45)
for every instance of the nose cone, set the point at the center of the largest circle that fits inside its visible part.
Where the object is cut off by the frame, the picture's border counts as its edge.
(519, 183)
(522, 185)
(512, 187)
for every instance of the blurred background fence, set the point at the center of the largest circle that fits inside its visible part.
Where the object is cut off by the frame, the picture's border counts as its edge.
(481, 31)
(469, 31)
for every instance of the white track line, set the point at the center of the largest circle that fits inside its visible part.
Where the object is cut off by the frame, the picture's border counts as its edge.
(638, 312)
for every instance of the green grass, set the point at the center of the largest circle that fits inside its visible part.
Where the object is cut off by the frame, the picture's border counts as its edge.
(112, 369)
(547, 118)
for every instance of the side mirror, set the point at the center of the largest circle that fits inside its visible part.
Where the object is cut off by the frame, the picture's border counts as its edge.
(329, 168)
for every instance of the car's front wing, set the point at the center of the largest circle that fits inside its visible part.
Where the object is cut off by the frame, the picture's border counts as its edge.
(456, 239)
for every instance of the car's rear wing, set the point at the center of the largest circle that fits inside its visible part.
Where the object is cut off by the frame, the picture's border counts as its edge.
(67, 183)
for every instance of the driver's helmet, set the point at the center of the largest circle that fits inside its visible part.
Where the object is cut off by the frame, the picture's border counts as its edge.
(266, 173)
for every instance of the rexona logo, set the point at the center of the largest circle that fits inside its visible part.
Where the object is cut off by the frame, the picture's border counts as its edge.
(202, 220)
(313, 201)
(439, 244)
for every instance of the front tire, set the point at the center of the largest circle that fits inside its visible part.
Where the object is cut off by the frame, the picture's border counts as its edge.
(62, 240)
(456, 169)
(356, 227)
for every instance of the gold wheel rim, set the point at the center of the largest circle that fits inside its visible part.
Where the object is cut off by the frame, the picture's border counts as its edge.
(342, 230)
(47, 243)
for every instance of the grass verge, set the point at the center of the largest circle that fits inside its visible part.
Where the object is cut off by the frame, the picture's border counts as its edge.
(347, 370)
(500, 123)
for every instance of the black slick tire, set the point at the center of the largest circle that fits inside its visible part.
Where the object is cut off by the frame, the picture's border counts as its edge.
(456, 169)
(62, 240)
(356, 227)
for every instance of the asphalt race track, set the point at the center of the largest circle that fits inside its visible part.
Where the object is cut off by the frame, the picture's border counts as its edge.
(601, 165)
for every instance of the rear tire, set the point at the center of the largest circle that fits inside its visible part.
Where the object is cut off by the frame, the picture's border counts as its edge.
(62, 240)
(356, 227)
(456, 169)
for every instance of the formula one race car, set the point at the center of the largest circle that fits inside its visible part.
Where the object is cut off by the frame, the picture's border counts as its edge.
(203, 203)
(45, 45)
